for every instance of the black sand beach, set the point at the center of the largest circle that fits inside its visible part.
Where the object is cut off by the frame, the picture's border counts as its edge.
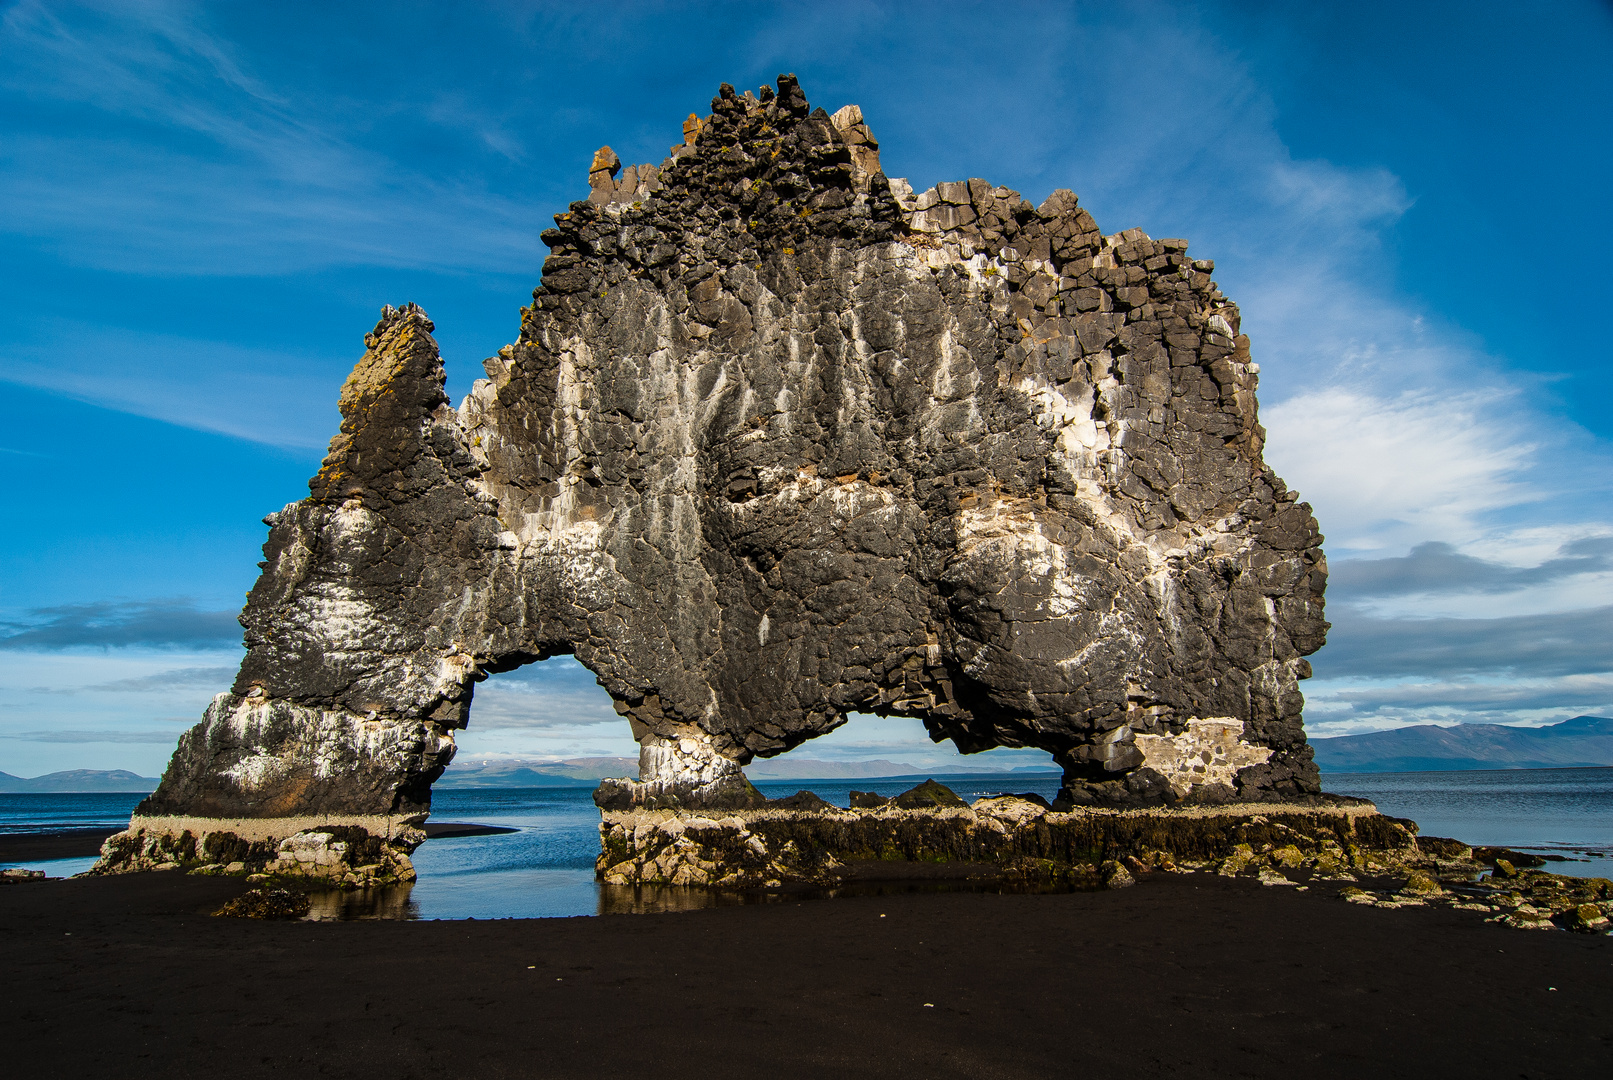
(1179, 976)
(60, 844)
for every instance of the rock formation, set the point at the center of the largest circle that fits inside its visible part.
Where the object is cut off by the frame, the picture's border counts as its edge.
(931, 832)
(781, 441)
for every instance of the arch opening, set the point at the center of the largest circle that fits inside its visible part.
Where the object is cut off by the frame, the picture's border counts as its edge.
(994, 487)
(878, 752)
(540, 723)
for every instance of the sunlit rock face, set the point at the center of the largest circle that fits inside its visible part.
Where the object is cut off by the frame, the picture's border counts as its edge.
(781, 441)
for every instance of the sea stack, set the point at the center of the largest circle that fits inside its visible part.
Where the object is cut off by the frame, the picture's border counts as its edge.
(780, 441)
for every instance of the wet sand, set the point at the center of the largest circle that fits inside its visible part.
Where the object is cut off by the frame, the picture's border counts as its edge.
(1179, 976)
(60, 844)
(444, 830)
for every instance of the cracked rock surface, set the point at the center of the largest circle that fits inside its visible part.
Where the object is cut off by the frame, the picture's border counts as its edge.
(1006, 838)
(781, 440)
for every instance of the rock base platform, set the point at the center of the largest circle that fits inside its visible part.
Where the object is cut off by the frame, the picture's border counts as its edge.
(347, 852)
(1011, 838)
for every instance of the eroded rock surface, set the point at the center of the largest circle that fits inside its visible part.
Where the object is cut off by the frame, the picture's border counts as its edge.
(1004, 838)
(779, 441)
(344, 855)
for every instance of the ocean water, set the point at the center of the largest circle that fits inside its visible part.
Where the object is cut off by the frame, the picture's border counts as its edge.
(30, 812)
(34, 812)
(546, 867)
(1562, 814)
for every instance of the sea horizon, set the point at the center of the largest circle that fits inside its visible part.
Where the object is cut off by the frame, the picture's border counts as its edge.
(920, 774)
(545, 867)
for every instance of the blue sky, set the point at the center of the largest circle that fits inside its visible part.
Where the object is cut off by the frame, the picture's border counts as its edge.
(206, 205)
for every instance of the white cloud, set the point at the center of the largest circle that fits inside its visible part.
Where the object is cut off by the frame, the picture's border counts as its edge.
(170, 622)
(198, 166)
(864, 737)
(279, 397)
(1440, 581)
(555, 709)
(76, 736)
(1353, 706)
(103, 709)
(1350, 204)
(544, 709)
(1385, 472)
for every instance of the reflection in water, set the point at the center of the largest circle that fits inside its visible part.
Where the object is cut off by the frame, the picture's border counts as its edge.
(385, 902)
(659, 899)
(663, 899)
(1565, 815)
(546, 868)
(53, 868)
(396, 901)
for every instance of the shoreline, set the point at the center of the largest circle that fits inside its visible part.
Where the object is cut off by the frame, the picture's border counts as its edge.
(1181, 974)
(49, 844)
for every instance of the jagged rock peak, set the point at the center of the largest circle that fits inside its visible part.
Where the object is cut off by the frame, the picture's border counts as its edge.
(779, 441)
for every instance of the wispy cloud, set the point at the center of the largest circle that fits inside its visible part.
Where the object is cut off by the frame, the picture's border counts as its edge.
(1480, 699)
(1379, 672)
(108, 624)
(1444, 636)
(1349, 707)
(80, 736)
(1385, 472)
(164, 681)
(1438, 567)
(267, 396)
(558, 694)
(194, 164)
(134, 700)
(1560, 643)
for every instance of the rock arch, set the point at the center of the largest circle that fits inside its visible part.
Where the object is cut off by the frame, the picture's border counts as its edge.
(780, 440)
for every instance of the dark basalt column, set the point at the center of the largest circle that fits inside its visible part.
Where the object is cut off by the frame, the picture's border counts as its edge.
(780, 441)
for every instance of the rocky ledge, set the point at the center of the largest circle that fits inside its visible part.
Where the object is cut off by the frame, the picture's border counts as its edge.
(929, 831)
(1523, 899)
(344, 856)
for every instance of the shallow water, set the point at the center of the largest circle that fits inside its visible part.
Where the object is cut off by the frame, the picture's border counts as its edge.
(34, 812)
(1566, 813)
(31, 812)
(54, 867)
(546, 867)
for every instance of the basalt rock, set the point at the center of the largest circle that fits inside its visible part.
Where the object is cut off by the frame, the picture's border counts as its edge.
(344, 856)
(1003, 838)
(781, 441)
(267, 904)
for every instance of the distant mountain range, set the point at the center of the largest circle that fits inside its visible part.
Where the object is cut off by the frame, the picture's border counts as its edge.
(580, 772)
(811, 769)
(1582, 741)
(75, 781)
(577, 772)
